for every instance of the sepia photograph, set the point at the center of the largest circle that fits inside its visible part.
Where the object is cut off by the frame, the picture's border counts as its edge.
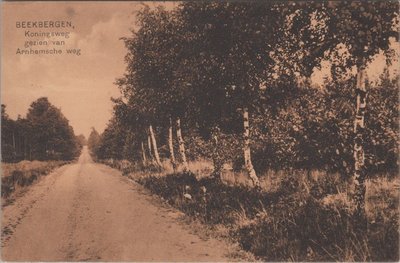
(200, 131)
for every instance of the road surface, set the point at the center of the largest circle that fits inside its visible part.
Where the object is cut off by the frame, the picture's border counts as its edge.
(89, 212)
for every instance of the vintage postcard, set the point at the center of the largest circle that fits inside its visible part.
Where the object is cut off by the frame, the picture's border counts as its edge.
(200, 131)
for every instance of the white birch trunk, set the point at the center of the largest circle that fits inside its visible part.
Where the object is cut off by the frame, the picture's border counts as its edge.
(359, 127)
(181, 144)
(246, 149)
(149, 147)
(154, 144)
(144, 155)
(217, 158)
(171, 145)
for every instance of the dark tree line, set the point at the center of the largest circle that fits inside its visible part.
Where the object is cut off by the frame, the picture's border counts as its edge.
(232, 80)
(44, 134)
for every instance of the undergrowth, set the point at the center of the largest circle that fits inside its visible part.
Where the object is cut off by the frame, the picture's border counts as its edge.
(23, 174)
(304, 219)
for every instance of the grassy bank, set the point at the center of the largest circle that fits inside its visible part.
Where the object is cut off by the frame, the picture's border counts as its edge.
(299, 216)
(19, 175)
(300, 221)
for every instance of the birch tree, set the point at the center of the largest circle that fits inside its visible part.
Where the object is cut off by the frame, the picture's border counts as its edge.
(233, 43)
(133, 121)
(153, 56)
(348, 35)
(181, 144)
(144, 160)
(171, 145)
(366, 29)
(154, 146)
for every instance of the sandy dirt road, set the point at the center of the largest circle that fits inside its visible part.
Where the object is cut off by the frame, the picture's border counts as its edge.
(89, 212)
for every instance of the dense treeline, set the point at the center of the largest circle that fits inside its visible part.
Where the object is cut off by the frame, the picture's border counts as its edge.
(44, 134)
(232, 82)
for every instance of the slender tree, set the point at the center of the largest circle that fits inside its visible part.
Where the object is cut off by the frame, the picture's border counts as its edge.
(365, 29)
(171, 145)
(181, 144)
(154, 146)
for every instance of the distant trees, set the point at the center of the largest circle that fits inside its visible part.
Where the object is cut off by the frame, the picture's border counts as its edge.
(93, 141)
(81, 140)
(45, 134)
(8, 137)
(233, 80)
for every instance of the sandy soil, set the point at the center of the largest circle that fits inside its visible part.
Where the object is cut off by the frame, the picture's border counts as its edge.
(89, 212)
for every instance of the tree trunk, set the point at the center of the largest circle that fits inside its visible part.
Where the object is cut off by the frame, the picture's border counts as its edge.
(19, 145)
(181, 144)
(14, 147)
(149, 147)
(30, 152)
(154, 144)
(246, 149)
(359, 131)
(25, 147)
(171, 145)
(144, 155)
(217, 155)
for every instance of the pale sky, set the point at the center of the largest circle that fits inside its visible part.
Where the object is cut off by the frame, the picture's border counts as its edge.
(80, 85)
